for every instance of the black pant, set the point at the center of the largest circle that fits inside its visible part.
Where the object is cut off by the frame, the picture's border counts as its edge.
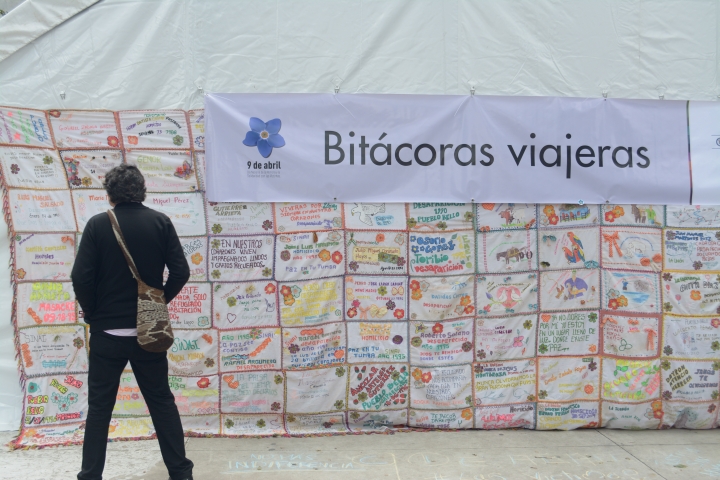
(109, 355)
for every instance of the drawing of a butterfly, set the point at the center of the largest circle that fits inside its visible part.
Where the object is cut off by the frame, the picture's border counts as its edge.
(185, 171)
(64, 401)
(398, 290)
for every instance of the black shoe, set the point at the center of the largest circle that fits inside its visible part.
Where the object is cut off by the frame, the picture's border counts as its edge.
(186, 478)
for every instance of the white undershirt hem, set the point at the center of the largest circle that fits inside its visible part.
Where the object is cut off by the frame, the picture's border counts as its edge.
(123, 332)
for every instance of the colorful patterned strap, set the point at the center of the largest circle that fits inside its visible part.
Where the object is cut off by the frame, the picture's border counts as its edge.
(123, 246)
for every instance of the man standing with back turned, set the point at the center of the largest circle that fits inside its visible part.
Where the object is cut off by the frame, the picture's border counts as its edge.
(108, 296)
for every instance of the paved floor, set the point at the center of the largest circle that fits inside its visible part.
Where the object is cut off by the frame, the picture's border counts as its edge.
(468, 455)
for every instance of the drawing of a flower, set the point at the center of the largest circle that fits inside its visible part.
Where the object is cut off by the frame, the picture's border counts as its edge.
(592, 366)
(527, 324)
(209, 362)
(426, 377)
(260, 423)
(382, 291)
(609, 217)
(267, 225)
(270, 288)
(466, 346)
(417, 374)
(695, 295)
(324, 255)
(275, 406)
(397, 339)
(399, 313)
(715, 322)
(267, 272)
(667, 306)
(231, 301)
(353, 266)
(229, 423)
(32, 387)
(178, 140)
(113, 141)
(20, 272)
(416, 341)
(481, 354)
(401, 261)
(553, 219)
(78, 342)
(542, 348)
(542, 394)
(715, 345)
(437, 328)
(667, 395)
(285, 255)
(294, 348)
(285, 291)
(337, 257)
(416, 294)
(216, 228)
(390, 305)
(411, 222)
(469, 310)
(196, 258)
(264, 136)
(204, 382)
(14, 168)
(467, 414)
(339, 372)
(352, 312)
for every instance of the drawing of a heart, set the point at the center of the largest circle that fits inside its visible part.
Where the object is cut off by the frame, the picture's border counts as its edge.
(545, 317)
(231, 317)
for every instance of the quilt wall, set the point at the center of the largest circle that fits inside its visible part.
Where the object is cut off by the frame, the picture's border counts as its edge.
(328, 318)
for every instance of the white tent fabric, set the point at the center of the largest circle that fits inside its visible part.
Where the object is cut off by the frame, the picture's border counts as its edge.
(128, 54)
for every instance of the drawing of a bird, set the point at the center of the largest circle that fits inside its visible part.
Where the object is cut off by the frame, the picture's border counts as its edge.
(576, 255)
(367, 210)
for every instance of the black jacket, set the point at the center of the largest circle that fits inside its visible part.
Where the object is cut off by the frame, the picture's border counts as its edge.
(101, 278)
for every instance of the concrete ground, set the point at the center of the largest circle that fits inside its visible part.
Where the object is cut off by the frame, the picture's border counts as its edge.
(466, 455)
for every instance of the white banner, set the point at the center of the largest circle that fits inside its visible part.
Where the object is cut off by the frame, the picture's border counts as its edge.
(433, 148)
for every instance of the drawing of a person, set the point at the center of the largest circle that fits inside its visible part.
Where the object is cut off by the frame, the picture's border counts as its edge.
(650, 214)
(575, 286)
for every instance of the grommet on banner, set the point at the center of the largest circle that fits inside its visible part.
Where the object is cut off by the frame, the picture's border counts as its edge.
(472, 200)
(662, 96)
(580, 202)
(62, 94)
(334, 199)
(605, 93)
(472, 90)
(337, 89)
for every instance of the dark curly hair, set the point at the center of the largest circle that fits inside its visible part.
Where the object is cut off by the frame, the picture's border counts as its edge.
(125, 183)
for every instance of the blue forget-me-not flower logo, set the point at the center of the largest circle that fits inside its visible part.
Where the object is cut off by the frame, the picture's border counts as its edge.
(264, 136)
